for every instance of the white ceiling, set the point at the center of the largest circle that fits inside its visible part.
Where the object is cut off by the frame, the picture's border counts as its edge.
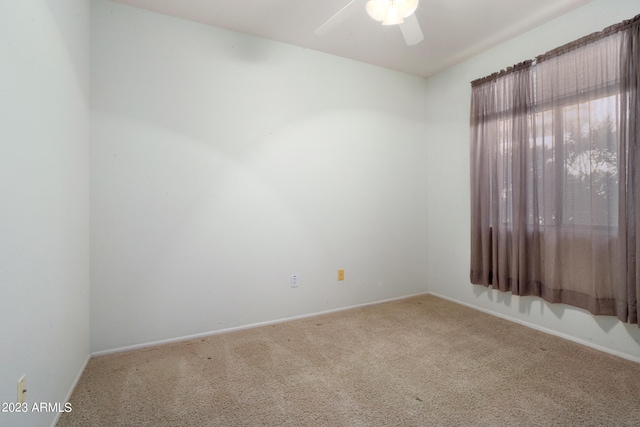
(454, 30)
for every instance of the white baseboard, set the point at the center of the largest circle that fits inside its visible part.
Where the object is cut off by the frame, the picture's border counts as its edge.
(543, 329)
(249, 326)
(73, 387)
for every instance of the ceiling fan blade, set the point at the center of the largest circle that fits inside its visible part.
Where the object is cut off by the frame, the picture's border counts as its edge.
(338, 18)
(411, 30)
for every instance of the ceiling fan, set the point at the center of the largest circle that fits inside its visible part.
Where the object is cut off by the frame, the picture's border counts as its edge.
(389, 12)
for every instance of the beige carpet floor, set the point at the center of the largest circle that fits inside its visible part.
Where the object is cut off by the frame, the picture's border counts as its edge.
(421, 361)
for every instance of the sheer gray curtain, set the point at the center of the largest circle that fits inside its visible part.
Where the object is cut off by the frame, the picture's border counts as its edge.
(627, 292)
(553, 175)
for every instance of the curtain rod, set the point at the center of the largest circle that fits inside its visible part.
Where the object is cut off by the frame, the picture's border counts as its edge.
(612, 29)
(501, 73)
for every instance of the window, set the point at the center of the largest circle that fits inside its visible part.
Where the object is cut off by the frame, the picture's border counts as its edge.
(575, 147)
(587, 164)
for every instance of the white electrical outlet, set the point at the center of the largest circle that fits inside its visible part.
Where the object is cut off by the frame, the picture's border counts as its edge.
(22, 389)
(294, 280)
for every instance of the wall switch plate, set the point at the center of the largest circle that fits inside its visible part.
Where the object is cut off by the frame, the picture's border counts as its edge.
(294, 280)
(340, 275)
(22, 389)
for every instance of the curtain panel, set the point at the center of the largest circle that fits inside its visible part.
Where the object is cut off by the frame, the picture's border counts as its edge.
(554, 175)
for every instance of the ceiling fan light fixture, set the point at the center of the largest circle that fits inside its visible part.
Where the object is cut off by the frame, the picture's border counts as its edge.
(391, 12)
(377, 9)
(393, 17)
(407, 7)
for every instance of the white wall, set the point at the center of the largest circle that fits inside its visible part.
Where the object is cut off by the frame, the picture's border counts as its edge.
(448, 103)
(224, 163)
(44, 200)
